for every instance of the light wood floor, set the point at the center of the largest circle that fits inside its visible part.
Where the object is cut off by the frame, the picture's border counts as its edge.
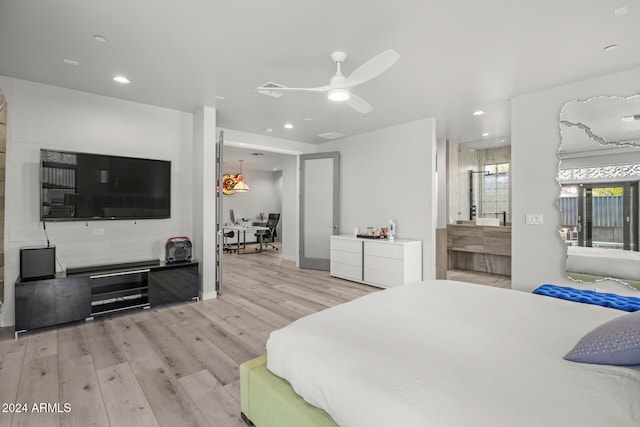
(175, 366)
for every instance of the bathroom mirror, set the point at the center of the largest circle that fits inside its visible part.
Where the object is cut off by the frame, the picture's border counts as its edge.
(599, 171)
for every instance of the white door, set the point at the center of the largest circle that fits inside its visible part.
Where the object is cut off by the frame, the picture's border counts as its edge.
(319, 207)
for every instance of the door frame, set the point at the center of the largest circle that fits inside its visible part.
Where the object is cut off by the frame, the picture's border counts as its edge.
(630, 215)
(304, 261)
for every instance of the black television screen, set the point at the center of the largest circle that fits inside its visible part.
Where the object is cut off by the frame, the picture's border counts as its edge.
(82, 186)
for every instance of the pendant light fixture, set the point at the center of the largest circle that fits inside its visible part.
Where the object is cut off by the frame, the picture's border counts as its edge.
(240, 186)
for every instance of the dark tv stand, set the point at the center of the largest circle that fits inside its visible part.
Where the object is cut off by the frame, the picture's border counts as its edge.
(84, 292)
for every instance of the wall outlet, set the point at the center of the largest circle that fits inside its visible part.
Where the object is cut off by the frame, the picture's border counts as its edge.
(97, 231)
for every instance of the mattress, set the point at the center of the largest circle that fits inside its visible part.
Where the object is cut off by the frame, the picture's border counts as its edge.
(446, 353)
(603, 262)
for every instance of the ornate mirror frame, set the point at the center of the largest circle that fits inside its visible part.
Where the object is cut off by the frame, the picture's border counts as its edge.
(599, 175)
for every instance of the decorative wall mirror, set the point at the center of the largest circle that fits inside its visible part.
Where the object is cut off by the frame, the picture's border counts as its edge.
(599, 172)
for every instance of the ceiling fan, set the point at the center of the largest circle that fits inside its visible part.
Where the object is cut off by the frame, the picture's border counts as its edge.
(339, 87)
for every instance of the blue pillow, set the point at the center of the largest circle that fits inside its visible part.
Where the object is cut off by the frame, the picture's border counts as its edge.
(616, 342)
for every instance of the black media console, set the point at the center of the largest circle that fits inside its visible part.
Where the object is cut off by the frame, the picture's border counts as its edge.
(85, 292)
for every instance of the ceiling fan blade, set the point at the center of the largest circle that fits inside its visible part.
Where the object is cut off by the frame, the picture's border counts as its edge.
(359, 104)
(373, 68)
(307, 89)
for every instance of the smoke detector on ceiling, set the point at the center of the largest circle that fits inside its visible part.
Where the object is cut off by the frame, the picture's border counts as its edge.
(265, 89)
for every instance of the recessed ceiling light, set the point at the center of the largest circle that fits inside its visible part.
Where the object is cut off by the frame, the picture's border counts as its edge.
(485, 134)
(121, 79)
(100, 39)
(288, 126)
(478, 113)
(220, 97)
(611, 47)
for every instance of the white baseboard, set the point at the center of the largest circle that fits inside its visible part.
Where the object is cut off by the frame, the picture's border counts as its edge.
(208, 295)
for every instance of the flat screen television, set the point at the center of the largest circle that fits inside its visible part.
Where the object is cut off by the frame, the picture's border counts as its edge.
(83, 186)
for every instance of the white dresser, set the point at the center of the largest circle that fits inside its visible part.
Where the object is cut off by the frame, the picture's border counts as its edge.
(377, 262)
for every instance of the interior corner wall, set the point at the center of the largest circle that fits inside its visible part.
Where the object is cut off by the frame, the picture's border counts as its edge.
(43, 116)
(390, 174)
(204, 198)
(290, 207)
(538, 253)
(441, 184)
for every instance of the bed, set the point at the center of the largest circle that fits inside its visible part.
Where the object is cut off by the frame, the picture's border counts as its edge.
(441, 353)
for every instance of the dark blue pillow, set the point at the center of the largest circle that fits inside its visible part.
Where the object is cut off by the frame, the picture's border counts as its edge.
(616, 342)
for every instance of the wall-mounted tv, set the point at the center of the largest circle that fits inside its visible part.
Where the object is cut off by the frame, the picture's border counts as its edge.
(83, 186)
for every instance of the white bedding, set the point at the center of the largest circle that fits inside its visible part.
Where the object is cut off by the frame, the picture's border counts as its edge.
(444, 353)
(603, 262)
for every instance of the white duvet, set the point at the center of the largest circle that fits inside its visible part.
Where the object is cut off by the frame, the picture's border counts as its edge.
(444, 353)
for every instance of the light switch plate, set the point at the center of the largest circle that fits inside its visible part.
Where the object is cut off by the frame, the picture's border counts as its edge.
(534, 219)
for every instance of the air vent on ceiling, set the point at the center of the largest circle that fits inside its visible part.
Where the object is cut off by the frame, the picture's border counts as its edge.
(332, 135)
(273, 93)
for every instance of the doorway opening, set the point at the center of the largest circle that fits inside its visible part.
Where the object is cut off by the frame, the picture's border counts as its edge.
(600, 215)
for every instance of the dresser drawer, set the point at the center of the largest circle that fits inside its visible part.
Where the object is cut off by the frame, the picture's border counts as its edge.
(346, 271)
(382, 278)
(388, 265)
(385, 250)
(351, 258)
(346, 245)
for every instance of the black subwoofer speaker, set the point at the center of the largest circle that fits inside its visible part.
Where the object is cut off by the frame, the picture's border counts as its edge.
(37, 263)
(178, 249)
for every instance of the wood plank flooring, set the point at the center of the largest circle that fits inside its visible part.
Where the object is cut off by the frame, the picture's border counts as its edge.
(174, 366)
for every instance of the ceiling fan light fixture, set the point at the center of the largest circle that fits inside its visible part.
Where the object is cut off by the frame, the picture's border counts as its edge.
(339, 95)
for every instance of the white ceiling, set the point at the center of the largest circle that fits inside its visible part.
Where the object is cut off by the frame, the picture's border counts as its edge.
(455, 56)
(261, 160)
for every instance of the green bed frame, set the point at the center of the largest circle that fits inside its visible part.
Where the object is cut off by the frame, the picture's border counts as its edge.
(269, 401)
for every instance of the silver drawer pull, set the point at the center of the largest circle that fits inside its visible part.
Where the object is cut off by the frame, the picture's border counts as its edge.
(121, 273)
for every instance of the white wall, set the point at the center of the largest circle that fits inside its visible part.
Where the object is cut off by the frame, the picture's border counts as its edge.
(289, 215)
(390, 173)
(537, 251)
(42, 116)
